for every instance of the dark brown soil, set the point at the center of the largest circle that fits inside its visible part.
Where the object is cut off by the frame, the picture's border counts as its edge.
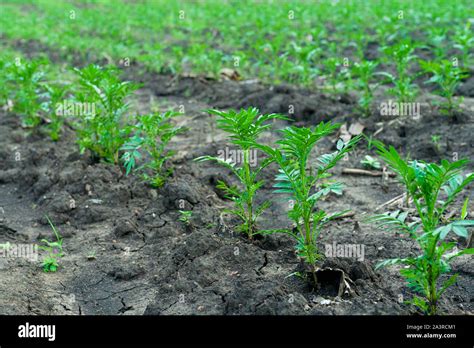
(146, 261)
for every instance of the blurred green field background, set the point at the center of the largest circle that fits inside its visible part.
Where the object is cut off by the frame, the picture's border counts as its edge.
(290, 41)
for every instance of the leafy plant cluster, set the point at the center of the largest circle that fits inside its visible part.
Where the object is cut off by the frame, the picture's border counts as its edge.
(272, 43)
(433, 188)
(97, 108)
(306, 184)
(109, 130)
(447, 75)
(317, 41)
(104, 130)
(153, 133)
(28, 93)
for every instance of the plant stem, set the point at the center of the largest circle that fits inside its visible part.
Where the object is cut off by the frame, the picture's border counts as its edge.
(314, 277)
(307, 228)
(431, 278)
(248, 185)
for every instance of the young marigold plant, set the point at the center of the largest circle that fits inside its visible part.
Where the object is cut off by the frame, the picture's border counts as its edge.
(54, 119)
(102, 128)
(332, 66)
(424, 183)
(365, 72)
(306, 185)
(152, 135)
(402, 55)
(33, 98)
(244, 128)
(25, 80)
(4, 81)
(463, 39)
(448, 77)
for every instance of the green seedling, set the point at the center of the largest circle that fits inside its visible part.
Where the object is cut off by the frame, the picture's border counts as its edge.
(370, 141)
(185, 216)
(152, 135)
(332, 66)
(447, 76)
(365, 72)
(306, 185)
(92, 255)
(402, 55)
(26, 82)
(358, 40)
(435, 140)
(5, 89)
(436, 39)
(306, 59)
(260, 37)
(244, 128)
(370, 162)
(424, 183)
(101, 126)
(464, 41)
(55, 112)
(54, 249)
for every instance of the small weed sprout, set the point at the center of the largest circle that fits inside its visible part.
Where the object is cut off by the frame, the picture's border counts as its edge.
(448, 77)
(424, 183)
(92, 255)
(435, 140)
(244, 128)
(54, 249)
(306, 185)
(104, 132)
(370, 162)
(370, 140)
(185, 216)
(153, 133)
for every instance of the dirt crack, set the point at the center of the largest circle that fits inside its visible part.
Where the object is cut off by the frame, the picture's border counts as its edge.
(124, 308)
(265, 263)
